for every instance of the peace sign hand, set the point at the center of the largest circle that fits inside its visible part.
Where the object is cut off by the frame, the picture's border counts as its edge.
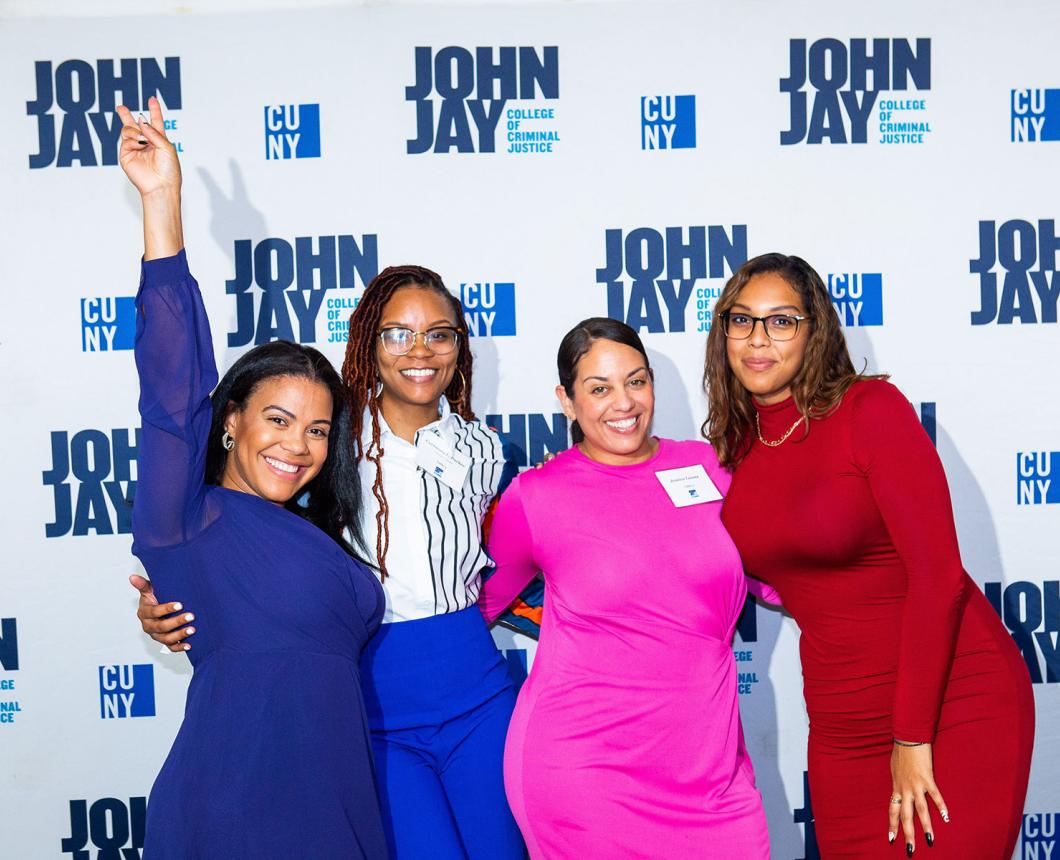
(146, 155)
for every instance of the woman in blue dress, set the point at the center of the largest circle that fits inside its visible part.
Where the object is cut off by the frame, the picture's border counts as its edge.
(242, 501)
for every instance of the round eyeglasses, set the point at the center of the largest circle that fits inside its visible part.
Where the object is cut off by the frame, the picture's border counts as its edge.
(739, 326)
(401, 341)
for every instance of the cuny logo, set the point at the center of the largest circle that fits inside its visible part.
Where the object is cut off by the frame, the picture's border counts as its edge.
(108, 323)
(293, 281)
(1035, 115)
(292, 131)
(89, 129)
(474, 90)
(526, 438)
(845, 81)
(126, 691)
(1038, 838)
(113, 827)
(1028, 257)
(857, 298)
(663, 268)
(93, 481)
(489, 308)
(1032, 613)
(1035, 482)
(668, 122)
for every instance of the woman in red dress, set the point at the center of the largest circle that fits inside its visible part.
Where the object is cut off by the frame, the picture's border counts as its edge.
(921, 710)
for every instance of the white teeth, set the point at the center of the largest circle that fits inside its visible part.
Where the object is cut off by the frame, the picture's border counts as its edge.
(279, 464)
(419, 372)
(624, 424)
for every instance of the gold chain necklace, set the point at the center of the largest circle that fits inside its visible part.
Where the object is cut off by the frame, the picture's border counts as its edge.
(782, 439)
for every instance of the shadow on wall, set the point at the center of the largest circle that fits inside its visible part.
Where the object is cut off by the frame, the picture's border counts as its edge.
(674, 418)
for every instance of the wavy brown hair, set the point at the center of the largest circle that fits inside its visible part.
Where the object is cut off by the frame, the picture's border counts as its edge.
(361, 374)
(820, 383)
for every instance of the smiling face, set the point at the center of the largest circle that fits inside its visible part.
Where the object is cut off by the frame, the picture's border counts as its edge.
(613, 401)
(281, 438)
(418, 378)
(763, 366)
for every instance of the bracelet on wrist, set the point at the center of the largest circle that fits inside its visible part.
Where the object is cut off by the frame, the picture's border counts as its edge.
(909, 743)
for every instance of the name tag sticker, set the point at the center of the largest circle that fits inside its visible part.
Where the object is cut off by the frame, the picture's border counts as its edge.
(689, 485)
(437, 458)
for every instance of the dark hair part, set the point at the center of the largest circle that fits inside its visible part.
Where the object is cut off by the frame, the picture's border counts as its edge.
(332, 500)
(819, 385)
(579, 340)
(361, 374)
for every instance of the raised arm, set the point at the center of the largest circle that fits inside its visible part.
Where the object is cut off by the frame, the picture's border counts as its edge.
(174, 351)
(511, 548)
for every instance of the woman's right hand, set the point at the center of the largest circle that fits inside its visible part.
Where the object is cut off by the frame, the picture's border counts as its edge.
(160, 621)
(146, 155)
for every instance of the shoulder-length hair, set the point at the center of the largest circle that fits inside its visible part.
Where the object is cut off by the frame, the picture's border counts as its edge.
(819, 385)
(332, 500)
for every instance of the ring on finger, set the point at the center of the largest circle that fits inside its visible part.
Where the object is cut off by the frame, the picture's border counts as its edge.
(896, 798)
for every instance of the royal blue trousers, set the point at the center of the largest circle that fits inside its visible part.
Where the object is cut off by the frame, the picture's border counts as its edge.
(439, 699)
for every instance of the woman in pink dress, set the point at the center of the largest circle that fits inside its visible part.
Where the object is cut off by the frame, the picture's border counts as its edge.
(626, 738)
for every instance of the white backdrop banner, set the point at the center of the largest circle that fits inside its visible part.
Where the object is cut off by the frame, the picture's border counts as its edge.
(553, 162)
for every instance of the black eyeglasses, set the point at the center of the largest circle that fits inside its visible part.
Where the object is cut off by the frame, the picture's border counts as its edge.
(401, 341)
(776, 326)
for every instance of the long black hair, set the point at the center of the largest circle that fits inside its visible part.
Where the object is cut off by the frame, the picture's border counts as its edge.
(332, 500)
(579, 340)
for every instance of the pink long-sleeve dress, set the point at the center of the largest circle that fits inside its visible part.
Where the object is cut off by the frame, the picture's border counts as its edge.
(626, 739)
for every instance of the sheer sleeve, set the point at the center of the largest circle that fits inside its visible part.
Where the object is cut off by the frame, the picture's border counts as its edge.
(511, 548)
(907, 481)
(175, 363)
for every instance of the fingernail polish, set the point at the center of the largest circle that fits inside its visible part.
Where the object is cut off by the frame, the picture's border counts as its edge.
(891, 837)
(189, 617)
(908, 849)
(140, 118)
(946, 815)
(177, 607)
(191, 630)
(930, 839)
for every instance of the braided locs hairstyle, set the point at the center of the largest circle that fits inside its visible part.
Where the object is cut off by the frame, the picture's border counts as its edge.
(361, 375)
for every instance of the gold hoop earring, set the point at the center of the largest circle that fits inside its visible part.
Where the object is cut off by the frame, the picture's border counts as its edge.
(463, 388)
(227, 441)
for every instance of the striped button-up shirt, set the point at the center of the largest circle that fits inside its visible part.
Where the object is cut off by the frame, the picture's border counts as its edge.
(435, 557)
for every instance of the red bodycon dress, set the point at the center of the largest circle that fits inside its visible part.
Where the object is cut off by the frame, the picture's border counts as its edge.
(852, 525)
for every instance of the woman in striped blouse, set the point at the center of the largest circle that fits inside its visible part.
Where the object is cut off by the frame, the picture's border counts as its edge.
(437, 690)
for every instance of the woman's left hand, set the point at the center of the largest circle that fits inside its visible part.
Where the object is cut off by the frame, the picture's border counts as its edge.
(912, 782)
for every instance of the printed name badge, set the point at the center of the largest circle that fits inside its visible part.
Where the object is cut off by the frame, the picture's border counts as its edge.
(688, 485)
(437, 458)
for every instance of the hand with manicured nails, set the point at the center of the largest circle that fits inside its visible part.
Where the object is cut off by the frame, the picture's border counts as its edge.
(150, 161)
(163, 622)
(913, 780)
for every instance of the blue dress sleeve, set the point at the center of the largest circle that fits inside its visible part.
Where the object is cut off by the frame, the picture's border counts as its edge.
(175, 364)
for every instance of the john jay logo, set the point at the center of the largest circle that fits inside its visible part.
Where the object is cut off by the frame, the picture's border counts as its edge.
(668, 122)
(1030, 289)
(525, 439)
(293, 282)
(1038, 836)
(1032, 613)
(88, 129)
(108, 323)
(1035, 115)
(1037, 483)
(292, 131)
(93, 481)
(126, 691)
(9, 644)
(489, 308)
(474, 92)
(857, 298)
(845, 81)
(114, 828)
(663, 269)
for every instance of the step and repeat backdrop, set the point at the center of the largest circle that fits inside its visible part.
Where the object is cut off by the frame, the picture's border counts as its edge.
(553, 162)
